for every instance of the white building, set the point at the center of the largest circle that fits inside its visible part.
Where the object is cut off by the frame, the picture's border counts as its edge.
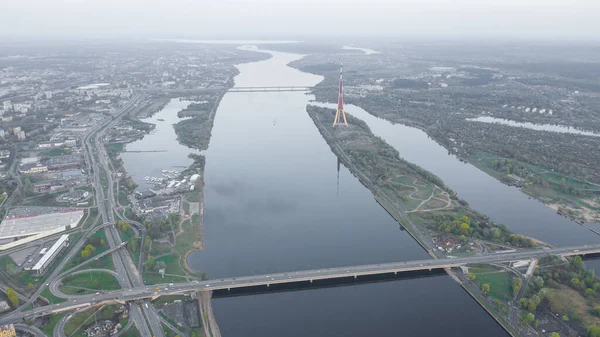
(51, 254)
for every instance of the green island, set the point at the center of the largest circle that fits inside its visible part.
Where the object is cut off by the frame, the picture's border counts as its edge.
(554, 293)
(429, 206)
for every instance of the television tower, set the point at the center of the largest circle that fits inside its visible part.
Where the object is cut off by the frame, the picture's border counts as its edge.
(339, 112)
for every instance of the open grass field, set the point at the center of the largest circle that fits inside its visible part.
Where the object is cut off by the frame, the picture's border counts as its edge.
(86, 283)
(48, 329)
(499, 284)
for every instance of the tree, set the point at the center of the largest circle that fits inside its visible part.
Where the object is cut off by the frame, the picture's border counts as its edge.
(517, 285)
(596, 311)
(148, 241)
(85, 253)
(150, 262)
(90, 248)
(531, 306)
(555, 334)
(565, 318)
(536, 323)
(471, 276)
(102, 242)
(589, 292)
(539, 282)
(133, 243)
(485, 288)
(13, 298)
(10, 268)
(593, 331)
(529, 318)
(577, 262)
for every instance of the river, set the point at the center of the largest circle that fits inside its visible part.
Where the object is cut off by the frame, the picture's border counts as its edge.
(273, 203)
(163, 138)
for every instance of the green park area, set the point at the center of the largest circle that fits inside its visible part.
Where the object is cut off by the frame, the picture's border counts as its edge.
(569, 196)
(50, 322)
(50, 297)
(499, 280)
(95, 245)
(563, 288)
(171, 256)
(88, 282)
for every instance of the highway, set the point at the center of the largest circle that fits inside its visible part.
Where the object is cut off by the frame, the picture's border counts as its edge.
(129, 277)
(142, 293)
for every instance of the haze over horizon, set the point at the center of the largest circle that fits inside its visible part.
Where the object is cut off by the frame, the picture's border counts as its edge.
(296, 19)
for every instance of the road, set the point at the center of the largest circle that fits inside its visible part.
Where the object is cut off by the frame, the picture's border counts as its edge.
(30, 329)
(124, 266)
(140, 293)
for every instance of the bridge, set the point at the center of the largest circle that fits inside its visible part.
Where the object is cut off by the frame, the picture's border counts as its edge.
(262, 282)
(269, 89)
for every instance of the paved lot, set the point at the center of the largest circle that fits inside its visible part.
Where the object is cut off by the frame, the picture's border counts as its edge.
(22, 226)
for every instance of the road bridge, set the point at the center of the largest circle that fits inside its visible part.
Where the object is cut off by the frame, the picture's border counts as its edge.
(259, 282)
(270, 89)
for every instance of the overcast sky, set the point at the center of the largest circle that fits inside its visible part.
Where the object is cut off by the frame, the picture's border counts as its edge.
(561, 19)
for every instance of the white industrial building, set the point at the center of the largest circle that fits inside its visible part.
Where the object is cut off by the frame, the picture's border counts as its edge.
(47, 259)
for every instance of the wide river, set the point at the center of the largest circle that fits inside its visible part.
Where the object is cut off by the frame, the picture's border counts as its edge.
(275, 202)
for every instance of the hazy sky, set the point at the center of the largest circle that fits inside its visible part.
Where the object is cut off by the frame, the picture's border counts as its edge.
(573, 19)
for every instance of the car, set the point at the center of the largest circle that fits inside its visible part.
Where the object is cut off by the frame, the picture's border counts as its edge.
(170, 284)
(208, 285)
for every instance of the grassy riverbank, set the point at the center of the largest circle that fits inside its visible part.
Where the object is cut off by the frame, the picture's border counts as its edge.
(569, 196)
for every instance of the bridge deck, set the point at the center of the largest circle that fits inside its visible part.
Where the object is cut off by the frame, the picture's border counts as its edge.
(144, 292)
